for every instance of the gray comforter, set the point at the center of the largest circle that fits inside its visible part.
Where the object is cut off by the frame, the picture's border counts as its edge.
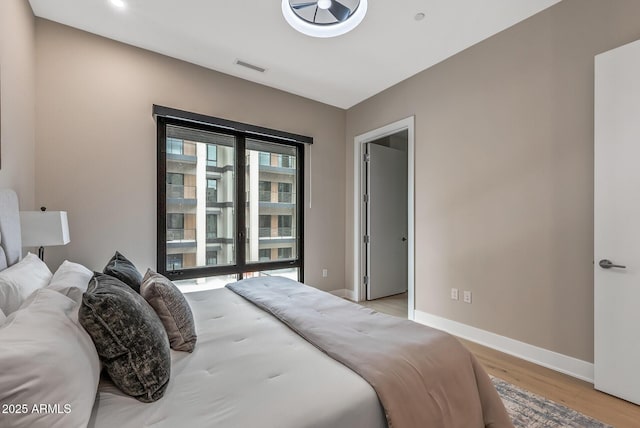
(423, 377)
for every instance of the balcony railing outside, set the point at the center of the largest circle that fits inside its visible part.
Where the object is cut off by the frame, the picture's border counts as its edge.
(265, 196)
(177, 191)
(284, 231)
(285, 197)
(264, 232)
(181, 235)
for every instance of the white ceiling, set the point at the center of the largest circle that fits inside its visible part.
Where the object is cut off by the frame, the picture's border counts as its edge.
(388, 47)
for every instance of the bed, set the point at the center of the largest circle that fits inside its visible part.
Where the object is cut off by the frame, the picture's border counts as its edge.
(261, 363)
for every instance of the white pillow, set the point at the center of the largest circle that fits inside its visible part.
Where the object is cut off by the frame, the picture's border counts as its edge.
(17, 282)
(47, 358)
(71, 279)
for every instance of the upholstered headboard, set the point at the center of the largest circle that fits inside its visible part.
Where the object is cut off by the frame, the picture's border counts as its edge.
(10, 238)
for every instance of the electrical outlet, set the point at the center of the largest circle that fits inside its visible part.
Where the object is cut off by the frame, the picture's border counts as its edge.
(325, 273)
(454, 294)
(467, 297)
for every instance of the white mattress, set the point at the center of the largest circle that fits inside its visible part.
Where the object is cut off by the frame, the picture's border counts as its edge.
(247, 370)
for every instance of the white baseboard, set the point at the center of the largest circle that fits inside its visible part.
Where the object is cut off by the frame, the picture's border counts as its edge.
(543, 357)
(344, 293)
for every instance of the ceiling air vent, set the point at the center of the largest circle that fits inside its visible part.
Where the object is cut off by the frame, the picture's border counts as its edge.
(250, 66)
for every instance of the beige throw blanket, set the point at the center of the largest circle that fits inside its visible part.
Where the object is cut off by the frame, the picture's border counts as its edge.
(423, 377)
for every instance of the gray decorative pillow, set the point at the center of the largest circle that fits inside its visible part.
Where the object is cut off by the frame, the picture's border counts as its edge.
(129, 337)
(120, 267)
(172, 308)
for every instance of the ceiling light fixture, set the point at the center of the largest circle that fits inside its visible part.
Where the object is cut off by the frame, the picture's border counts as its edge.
(419, 16)
(120, 4)
(324, 18)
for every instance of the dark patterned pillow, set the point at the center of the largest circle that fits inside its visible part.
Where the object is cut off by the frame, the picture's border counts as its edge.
(120, 267)
(172, 308)
(129, 337)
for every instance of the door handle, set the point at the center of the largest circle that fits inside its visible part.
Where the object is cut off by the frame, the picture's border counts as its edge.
(608, 264)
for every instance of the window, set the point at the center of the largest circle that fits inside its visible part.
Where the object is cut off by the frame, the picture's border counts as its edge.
(175, 185)
(284, 192)
(212, 258)
(284, 253)
(284, 225)
(174, 178)
(175, 221)
(212, 227)
(264, 159)
(175, 227)
(212, 191)
(265, 191)
(174, 146)
(265, 254)
(212, 155)
(223, 227)
(264, 222)
(174, 261)
(284, 161)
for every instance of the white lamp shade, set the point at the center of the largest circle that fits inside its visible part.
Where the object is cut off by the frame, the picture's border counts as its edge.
(44, 228)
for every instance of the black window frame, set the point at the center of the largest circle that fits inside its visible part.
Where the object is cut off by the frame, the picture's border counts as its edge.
(166, 116)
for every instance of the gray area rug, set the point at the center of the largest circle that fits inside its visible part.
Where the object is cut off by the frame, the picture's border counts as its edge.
(528, 410)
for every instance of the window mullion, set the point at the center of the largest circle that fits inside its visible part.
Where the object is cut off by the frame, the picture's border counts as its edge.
(241, 203)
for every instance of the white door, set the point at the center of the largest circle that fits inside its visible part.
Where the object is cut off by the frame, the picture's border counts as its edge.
(617, 222)
(387, 258)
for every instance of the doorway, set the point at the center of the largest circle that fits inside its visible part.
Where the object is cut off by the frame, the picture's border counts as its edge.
(383, 208)
(385, 216)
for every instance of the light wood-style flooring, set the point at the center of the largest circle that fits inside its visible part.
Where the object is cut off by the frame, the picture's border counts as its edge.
(571, 392)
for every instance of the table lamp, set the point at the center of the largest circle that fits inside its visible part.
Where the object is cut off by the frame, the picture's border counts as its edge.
(44, 229)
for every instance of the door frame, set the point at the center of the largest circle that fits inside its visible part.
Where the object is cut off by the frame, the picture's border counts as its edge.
(358, 206)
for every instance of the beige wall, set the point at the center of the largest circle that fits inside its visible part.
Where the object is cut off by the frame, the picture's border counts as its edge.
(504, 174)
(17, 94)
(96, 143)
